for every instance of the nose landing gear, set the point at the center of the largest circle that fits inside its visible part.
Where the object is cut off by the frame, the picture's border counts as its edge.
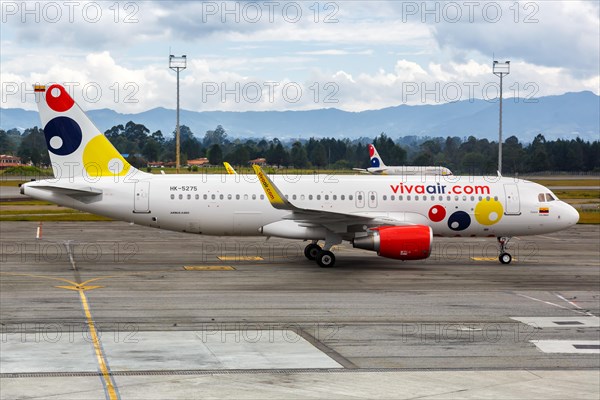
(504, 257)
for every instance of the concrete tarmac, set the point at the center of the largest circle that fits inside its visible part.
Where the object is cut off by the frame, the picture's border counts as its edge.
(112, 310)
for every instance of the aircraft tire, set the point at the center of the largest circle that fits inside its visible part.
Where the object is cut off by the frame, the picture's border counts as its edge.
(325, 259)
(312, 251)
(505, 258)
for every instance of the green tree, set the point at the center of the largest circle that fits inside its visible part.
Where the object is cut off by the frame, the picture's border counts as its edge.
(215, 154)
(33, 147)
(218, 136)
(298, 156)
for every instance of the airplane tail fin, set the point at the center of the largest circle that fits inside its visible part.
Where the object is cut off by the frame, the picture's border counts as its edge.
(76, 147)
(376, 160)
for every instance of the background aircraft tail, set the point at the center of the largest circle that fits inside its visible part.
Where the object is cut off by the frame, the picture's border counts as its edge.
(76, 147)
(376, 160)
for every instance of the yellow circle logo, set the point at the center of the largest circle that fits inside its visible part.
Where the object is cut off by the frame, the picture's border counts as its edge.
(101, 159)
(488, 212)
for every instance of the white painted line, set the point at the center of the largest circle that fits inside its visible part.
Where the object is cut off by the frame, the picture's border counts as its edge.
(552, 304)
(568, 346)
(560, 322)
(573, 304)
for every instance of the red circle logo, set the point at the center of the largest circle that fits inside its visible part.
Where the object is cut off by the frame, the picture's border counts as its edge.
(58, 99)
(437, 213)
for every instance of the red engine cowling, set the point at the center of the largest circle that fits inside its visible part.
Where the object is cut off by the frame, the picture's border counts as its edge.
(411, 242)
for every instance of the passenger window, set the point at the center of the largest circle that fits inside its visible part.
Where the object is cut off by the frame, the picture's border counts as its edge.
(350, 197)
(262, 196)
(253, 197)
(392, 197)
(310, 196)
(221, 197)
(213, 197)
(294, 197)
(408, 197)
(541, 197)
(416, 197)
(464, 198)
(441, 198)
(432, 198)
(180, 197)
(400, 197)
(245, 197)
(342, 197)
(318, 197)
(237, 196)
(302, 197)
(334, 197)
(472, 198)
(189, 196)
(326, 197)
(197, 197)
(205, 197)
(229, 197)
(455, 198)
(172, 197)
(359, 197)
(384, 197)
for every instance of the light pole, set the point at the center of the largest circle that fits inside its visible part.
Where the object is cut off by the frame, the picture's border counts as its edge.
(500, 69)
(177, 64)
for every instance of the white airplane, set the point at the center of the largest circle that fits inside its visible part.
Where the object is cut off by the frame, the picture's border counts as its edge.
(379, 168)
(395, 216)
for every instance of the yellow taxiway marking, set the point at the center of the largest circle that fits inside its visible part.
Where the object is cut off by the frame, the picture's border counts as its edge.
(208, 268)
(110, 387)
(487, 259)
(240, 258)
(81, 288)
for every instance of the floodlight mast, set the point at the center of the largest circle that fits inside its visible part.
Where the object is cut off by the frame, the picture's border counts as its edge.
(177, 64)
(500, 69)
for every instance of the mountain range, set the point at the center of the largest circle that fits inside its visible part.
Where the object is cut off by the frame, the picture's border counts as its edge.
(563, 116)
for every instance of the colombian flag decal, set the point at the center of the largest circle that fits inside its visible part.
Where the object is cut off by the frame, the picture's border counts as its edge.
(544, 211)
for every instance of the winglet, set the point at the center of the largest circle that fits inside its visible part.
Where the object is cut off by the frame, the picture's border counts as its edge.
(229, 168)
(276, 198)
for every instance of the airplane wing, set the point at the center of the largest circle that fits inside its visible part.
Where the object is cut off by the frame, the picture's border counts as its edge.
(334, 221)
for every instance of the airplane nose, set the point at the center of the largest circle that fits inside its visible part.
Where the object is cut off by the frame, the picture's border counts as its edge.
(571, 216)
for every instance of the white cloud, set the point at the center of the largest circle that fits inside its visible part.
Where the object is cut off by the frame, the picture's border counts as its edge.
(368, 59)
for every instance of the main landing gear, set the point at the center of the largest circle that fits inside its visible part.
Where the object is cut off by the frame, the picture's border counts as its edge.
(504, 257)
(323, 256)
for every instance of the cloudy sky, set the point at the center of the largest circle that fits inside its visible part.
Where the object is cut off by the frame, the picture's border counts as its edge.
(276, 55)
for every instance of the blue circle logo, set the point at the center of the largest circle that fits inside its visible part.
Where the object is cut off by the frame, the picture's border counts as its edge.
(63, 136)
(375, 162)
(459, 221)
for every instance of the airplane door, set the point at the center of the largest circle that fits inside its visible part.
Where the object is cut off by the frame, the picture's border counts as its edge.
(372, 199)
(141, 201)
(360, 199)
(513, 204)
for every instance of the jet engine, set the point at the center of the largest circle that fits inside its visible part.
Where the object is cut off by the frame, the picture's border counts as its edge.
(410, 242)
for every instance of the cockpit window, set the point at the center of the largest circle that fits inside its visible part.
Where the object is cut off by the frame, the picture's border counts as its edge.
(549, 197)
(541, 198)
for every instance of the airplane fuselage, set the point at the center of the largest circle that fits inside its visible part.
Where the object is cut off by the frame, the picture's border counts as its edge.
(236, 204)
